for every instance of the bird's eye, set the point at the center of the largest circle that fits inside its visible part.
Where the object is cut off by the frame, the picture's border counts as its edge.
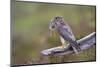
(56, 18)
(53, 26)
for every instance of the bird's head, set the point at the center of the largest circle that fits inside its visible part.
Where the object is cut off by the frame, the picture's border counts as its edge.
(55, 22)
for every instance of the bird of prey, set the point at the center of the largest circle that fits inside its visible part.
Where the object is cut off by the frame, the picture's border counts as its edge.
(65, 32)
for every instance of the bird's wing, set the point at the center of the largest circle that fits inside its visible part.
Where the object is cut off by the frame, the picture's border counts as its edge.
(66, 33)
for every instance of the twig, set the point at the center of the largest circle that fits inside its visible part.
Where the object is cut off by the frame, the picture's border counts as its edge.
(84, 44)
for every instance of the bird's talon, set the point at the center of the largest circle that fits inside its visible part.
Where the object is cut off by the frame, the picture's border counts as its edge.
(61, 46)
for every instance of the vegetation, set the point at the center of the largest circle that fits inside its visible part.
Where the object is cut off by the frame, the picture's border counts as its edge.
(30, 33)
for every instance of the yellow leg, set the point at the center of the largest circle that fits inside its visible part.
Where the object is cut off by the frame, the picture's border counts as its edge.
(62, 46)
(63, 42)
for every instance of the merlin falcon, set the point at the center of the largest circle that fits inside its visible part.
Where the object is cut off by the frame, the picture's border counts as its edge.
(65, 33)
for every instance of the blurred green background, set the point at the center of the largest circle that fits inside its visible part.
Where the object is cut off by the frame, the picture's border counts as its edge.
(30, 33)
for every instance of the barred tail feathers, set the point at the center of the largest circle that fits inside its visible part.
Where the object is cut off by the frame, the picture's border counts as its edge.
(75, 47)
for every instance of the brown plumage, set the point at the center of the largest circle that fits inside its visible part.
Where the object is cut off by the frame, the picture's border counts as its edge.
(64, 31)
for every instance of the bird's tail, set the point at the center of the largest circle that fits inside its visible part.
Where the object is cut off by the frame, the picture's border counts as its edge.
(75, 47)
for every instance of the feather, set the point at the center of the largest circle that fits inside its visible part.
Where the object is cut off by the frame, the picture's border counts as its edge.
(66, 33)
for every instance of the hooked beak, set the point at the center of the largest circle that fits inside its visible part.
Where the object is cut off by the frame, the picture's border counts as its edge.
(52, 30)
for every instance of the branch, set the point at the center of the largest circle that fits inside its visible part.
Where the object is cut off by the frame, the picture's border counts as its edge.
(84, 44)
